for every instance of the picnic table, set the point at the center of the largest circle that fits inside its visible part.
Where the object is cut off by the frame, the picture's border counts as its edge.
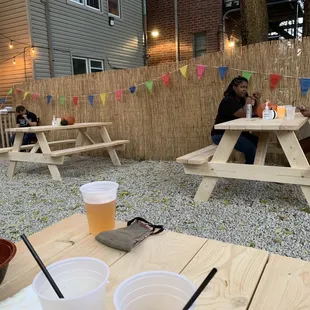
(247, 278)
(82, 143)
(298, 173)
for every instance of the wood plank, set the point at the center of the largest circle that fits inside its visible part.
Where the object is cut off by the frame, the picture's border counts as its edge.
(284, 285)
(168, 251)
(87, 246)
(48, 242)
(6, 126)
(35, 158)
(85, 148)
(262, 148)
(239, 271)
(2, 131)
(16, 147)
(206, 150)
(35, 129)
(285, 175)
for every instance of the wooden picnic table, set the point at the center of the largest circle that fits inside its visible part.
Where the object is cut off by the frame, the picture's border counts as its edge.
(298, 173)
(247, 278)
(83, 143)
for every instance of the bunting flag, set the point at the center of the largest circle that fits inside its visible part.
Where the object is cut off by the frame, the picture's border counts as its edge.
(103, 98)
(75, 100)
(274, 80)
(184, 71)
(304, 84)
(2, 100)
(26, 94)
(17, 91)
(132, 89)
(166, 79)
(222, 71)
(247, 75)
(118, 94)
(35, 96)
(149, 85)
(10, 92)
(48, 99)
(200, 71)
(91, 99)
(62, 99)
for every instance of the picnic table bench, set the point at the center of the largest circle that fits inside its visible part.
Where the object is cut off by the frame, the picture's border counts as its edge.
(83, 143)
(247, 278)
(212, 162)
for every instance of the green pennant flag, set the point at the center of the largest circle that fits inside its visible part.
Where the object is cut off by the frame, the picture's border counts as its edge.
(149, 85)
(62, 99)
(247, 75)
(10, 92)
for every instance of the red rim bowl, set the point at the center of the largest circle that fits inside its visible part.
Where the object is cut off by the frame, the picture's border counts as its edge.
(7, 252)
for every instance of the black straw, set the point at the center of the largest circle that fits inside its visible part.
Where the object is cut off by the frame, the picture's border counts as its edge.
(42, 266)
(200, 289)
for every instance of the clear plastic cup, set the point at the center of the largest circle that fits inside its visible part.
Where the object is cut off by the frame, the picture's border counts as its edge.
(154, 290)
(290, 112)
(82, 281)
(100, 204)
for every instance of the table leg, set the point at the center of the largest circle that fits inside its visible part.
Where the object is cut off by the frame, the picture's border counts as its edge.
(35, 148)
(46, 149)
(113, 155)
(16, 148)
(222, 154)
(294, 155)
(262, 148)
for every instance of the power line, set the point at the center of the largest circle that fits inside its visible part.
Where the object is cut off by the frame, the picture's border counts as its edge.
(11, 40)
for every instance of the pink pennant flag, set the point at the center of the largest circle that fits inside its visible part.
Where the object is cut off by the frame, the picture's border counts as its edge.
(166, 79)
(200, 71)
(35, 96)
(118, 95)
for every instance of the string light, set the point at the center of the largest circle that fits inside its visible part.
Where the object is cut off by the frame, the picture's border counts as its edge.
(14, 61)
(11, 44)
(32, 50)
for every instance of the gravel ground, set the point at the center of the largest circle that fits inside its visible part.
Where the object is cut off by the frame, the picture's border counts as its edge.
(267, 216)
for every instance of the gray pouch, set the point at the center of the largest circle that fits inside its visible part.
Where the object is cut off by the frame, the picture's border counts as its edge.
(125, 239)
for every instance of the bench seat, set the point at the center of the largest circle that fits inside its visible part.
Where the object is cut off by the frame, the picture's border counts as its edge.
(198, 157)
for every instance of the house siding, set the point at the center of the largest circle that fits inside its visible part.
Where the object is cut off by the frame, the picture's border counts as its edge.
(14, 25)
(82, 32)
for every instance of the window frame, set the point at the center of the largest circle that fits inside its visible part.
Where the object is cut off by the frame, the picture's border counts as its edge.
(195, 50)
(88, 6)
(119, 10)
(85, 6)
(88, 64)
(81, 58)
(98, 60)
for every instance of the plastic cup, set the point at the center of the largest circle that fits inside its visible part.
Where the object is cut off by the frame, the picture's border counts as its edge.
(100, 204)
(154, 290)
(82, 281)
(290, 112)
(281, 111)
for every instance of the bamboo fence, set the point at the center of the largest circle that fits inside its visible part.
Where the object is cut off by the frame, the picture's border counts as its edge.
(174, 120)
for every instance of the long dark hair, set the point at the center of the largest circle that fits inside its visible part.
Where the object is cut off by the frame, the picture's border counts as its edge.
(236, 81)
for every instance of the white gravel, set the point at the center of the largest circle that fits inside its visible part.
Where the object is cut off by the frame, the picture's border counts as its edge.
(268, 216)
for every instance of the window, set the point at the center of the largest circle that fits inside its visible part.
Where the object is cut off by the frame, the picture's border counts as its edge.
(84, 65)
(94, 4)
(200, 44)
(114, 7)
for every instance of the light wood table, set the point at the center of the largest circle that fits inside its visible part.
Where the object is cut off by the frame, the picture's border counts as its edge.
(298, 172)
(247, 278)
(83, 143)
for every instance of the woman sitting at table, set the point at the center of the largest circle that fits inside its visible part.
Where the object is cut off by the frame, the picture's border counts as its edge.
(233, 106)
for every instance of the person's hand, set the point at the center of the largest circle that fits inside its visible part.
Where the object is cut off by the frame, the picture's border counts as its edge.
(25, 116)
(305, 112)
(257, 95)
(249, 100)
(301, 108)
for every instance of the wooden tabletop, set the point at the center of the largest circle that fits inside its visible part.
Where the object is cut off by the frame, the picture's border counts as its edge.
(247, 278)
(35, 129)
(258, 124)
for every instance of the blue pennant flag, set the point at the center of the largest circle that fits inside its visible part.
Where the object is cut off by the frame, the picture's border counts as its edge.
(304, 84)
(48, 99)
(132, 89)
(91, 100)
(2, 100)
(222, 71)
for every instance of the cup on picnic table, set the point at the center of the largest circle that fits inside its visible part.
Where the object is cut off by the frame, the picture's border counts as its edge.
(100, 204)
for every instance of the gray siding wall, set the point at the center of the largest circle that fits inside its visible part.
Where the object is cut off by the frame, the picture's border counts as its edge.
(82, 32)
(14, 25)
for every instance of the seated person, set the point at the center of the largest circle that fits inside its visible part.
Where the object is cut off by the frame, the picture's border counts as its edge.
(305, 143)
(233, 106)
(25, 118)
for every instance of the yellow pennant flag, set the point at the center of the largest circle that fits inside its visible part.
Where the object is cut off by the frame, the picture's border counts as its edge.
(184, 71)
(103, 97)
(26, 94)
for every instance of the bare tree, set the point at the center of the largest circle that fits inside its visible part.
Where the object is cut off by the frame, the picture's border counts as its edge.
(306, 30)
(254, 19)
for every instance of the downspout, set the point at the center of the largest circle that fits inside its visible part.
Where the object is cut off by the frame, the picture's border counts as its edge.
(176, 23)
(49, 37)
(145, 31)
(238, 9)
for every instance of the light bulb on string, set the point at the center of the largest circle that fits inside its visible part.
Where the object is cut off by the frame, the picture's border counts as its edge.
(11, 44)
(14, 61)
(32, 51)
